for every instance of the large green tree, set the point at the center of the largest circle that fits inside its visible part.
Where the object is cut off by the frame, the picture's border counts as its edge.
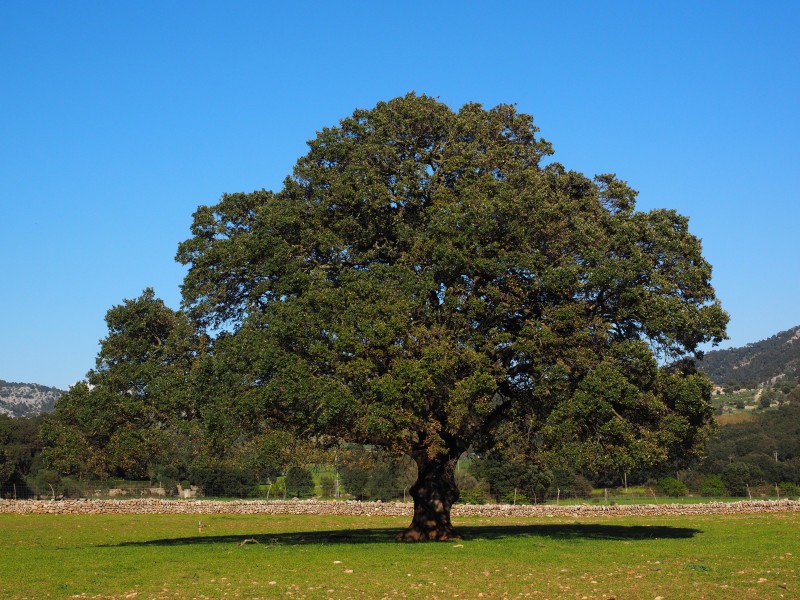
(426, 280)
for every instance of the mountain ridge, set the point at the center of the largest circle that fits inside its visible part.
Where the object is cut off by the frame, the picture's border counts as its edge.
(27, 399)
(761, 363)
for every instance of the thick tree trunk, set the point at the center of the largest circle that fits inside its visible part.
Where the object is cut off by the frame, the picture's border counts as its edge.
(434, 493)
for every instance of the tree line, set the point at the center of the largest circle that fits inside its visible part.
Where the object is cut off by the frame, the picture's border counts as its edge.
(754, 458)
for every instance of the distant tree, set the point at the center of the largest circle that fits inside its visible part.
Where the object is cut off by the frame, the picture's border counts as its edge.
(327, 483)
(738, 476)
(670, 486)
(472, 490)
(426, 276)
(126, 414)
(382, 483)
(755, 444)
(354, 479)
(299, 482)
(569, 484)
(7, 467)
(509, 476)
(20, 447)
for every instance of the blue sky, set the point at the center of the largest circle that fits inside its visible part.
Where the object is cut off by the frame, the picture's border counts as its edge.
(118, 119)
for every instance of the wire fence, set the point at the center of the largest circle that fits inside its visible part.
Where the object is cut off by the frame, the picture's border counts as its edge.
(121, 490)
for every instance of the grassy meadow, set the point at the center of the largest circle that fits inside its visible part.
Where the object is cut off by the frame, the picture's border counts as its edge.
(164, 556)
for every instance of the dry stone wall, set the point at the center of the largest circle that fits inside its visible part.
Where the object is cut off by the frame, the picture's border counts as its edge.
(352, 508)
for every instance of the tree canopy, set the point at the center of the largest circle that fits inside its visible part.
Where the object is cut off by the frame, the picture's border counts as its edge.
(429, 281)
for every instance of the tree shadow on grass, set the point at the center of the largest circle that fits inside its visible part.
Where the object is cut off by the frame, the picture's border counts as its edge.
(576, 531)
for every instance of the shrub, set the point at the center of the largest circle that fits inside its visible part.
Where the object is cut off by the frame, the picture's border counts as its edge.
(167, 476)
(713, 487)
(328, 485)
(40, 483)
(669, 486)
(693, 480)
(582, 487)
(568, 484)
(471, 491)
(70, 488)
(790, 490)
(516, 497)
(737, 476)
(222, 480)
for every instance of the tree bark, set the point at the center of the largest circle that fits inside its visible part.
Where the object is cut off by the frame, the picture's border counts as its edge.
(434, 494)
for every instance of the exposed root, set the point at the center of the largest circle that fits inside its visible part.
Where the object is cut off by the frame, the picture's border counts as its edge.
(414, 534)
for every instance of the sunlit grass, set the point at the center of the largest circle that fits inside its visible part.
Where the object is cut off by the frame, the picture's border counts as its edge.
(101, 556)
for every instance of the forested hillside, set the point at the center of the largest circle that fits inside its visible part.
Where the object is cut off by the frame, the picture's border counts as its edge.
(766, 449)
(764, 362)
(26, 399)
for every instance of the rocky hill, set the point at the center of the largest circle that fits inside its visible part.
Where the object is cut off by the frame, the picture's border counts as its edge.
(26, 399)
(761, 363)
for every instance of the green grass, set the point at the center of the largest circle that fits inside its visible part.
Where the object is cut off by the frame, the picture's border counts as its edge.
(132, 556)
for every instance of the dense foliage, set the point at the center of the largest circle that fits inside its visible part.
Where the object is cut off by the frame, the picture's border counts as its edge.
(20, 447)
(764, 450)
(299, 482)
(756, 457)
(425, 281)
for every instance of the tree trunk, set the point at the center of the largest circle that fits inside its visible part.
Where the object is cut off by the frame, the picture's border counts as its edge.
(434, 493)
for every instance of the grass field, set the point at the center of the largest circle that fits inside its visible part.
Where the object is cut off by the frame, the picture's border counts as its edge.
(132, 556)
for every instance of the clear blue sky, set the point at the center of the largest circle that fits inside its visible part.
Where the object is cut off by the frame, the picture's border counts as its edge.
(117, 119)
